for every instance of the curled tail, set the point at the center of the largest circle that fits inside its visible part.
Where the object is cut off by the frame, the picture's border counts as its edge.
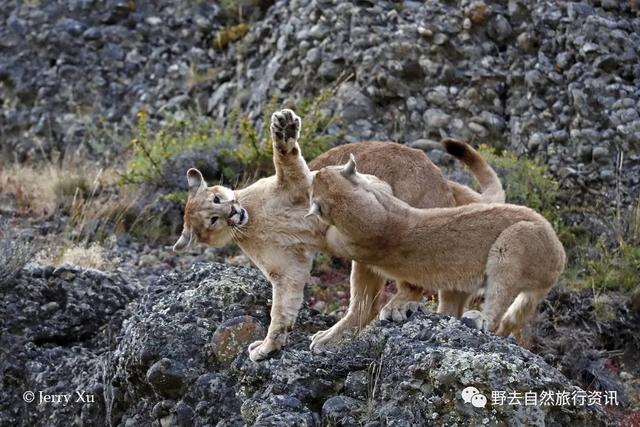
(490, 185)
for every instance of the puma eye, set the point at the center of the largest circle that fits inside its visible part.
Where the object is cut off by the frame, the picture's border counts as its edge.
(216, 199)
(213, 220)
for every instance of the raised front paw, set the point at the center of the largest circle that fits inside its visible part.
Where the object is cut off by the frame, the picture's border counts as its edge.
(400, 311)
(285, 130)
(260, 350)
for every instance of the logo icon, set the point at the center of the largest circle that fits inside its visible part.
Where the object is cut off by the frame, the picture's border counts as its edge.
(472, 395)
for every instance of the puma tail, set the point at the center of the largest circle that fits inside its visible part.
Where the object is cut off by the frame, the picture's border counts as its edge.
(490, 185)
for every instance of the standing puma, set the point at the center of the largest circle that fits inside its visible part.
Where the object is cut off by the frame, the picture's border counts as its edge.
(512, 249)
(266, 220)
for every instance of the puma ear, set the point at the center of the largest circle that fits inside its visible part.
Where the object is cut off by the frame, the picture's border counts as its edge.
(184, 241)
(313, 210)
(195, 181)
(349, 169)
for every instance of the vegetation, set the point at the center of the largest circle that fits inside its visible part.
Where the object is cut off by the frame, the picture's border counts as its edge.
(244, 149)
(592, 262)
(230, 35)
(15, 253)
(525, 180)
(241, 10)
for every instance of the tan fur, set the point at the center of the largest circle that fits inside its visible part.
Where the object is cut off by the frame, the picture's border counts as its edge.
(281, 243)
(513, 248)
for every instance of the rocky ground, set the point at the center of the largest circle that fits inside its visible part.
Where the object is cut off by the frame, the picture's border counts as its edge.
(156, 341)
(175, 354)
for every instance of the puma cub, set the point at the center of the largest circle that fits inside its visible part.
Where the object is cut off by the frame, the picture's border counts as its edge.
(511, 249)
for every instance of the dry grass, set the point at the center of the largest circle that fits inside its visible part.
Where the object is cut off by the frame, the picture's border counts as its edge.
(40, 190)
(92, 256)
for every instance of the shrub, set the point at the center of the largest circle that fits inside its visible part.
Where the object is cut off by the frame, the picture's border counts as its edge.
(526, 181)
(244, 9)
(14, 253)
(151, 149)
(242, 150)
(614, 269)
(230, 35)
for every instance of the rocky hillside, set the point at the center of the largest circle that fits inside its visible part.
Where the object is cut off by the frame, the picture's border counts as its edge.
(556, 80)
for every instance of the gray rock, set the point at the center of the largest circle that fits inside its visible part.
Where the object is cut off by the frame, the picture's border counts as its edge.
(353, 104)
(601, 155)
(436, 118)
(167, 377)
(341, 410)
(499, 28)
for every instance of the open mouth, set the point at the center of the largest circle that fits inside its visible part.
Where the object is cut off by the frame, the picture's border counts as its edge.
(240, 218)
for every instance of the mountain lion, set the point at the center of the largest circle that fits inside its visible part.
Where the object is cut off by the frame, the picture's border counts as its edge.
(511, 249)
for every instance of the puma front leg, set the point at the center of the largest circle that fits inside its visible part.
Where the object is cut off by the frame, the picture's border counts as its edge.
(365, 293)
(287, 300)
(291, 168)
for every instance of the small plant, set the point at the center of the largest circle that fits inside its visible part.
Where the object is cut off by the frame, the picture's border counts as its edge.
(239, 10)
(230, 35)
(526, 181)
(14, 253)
(615, 269)
(151, 149)
(85, 256)
(244, 150)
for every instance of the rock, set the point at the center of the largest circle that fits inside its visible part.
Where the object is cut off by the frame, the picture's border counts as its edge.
(167, 377)
(160, 370)
(601, 155)
(233, 336)
(426, 144)
(353, 104)
(430, 354)
(436, 118)
(476, 12)
(358, 384)
(329, 70)
(341, 410)
(536, 141)
(499, 28)
(585, 152)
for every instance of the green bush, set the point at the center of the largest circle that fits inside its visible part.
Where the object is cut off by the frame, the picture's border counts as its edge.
(614, 269)
(526, 181)
(244, 150)
(151, 149)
